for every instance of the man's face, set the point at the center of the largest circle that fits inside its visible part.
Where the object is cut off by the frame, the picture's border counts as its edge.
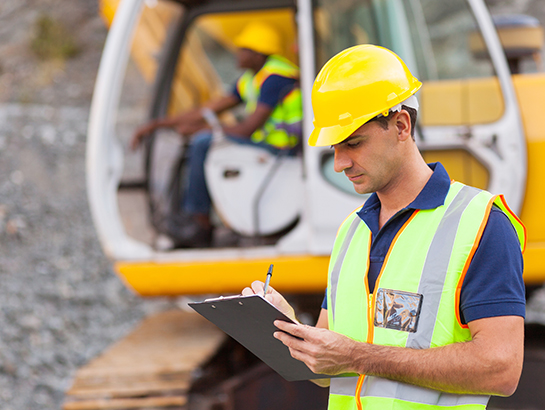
(246, 58)
(370, 157)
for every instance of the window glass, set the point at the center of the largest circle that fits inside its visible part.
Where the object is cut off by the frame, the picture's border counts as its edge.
(337, 179)
(437, 39)
(206, 68)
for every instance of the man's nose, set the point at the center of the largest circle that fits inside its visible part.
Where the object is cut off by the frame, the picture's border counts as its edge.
(341, 161)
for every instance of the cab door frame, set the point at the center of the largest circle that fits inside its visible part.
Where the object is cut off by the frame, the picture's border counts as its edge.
(500, 146)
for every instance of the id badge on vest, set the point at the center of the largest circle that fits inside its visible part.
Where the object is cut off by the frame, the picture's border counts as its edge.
(396, 309)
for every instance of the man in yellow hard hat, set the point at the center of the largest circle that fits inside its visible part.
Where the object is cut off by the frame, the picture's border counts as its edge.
(270, 91)
(425, 301)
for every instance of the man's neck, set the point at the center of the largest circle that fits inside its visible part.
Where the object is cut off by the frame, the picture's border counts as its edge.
(259, 65)
(403, 190)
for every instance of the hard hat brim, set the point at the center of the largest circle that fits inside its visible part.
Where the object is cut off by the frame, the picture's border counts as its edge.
(324, 136)
(261, 49)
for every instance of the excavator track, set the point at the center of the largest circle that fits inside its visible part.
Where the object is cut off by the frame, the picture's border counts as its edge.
(148, 369)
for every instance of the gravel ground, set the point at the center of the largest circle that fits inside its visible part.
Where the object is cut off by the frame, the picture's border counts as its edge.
(60, 303)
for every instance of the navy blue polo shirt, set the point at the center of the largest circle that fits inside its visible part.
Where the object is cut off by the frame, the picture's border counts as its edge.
(493, 285)
(273, 90)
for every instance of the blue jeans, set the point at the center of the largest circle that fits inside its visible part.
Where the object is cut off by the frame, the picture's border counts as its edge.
(196, 199)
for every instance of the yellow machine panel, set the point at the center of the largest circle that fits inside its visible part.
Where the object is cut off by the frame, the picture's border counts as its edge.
(297, 274)
(461, 166)
(461, 102)
(530, 89)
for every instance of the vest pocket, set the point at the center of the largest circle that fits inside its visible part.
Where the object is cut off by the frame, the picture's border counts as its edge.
(396, 309)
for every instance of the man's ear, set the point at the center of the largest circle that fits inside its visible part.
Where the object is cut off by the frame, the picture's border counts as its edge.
(403, 125)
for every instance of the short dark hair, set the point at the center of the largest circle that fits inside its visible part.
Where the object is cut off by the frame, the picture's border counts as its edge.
(384, 121)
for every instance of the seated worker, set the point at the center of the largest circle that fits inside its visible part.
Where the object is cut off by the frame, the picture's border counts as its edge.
(269, 89)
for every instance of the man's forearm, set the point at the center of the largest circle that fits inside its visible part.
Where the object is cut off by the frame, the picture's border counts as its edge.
(251, 123)
(457, 368)
(490, 363)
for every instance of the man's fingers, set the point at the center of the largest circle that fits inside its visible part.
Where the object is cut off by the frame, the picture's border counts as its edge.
(247, 292)
(257, 286)
(139, 136)
(300, 331)
(135, 142)
(291, 342)
(297, 349)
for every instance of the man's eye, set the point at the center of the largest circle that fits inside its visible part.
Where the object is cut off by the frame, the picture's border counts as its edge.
(353, 144)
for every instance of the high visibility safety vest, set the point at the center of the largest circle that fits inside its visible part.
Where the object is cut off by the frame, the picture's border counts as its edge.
(282, 128)
(415, 303)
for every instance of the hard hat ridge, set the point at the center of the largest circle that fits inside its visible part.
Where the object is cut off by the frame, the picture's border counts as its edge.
(355, 86)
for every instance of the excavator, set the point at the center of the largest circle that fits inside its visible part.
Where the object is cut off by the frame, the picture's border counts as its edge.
(480, 108)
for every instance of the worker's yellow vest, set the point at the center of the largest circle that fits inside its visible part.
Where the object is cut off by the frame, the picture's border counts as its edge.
(416, 299)
(287, 116)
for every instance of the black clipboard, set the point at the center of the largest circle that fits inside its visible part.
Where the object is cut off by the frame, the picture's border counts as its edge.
(249, 320)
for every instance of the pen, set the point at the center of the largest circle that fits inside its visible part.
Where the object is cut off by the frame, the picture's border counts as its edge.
(269, 274)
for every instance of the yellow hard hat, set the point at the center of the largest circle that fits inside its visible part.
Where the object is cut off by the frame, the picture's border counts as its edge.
(259, 37)
(355, 86)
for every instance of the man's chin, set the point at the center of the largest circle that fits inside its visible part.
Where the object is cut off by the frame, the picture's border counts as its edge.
(361, 189)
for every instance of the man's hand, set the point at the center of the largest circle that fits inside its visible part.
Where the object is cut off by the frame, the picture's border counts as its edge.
(141, 133)
(185, 124)
(489, 363)
(189, 128)
(322, 350)
(272, 296)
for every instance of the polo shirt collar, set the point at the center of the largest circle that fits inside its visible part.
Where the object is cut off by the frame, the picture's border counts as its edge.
(432, 195)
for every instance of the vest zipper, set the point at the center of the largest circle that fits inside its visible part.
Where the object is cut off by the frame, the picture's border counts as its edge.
(370, 299)
(370, 329)
(371, 317)
(370, 335)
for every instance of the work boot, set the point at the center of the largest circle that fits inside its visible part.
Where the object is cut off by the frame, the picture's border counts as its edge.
(187, 232)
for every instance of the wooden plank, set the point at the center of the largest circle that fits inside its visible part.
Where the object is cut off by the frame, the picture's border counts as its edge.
(85, 382)
(130, 390)
(149, 368)
(168, 342)
(148, 403)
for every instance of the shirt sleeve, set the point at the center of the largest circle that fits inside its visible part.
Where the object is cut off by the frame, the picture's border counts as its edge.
(274, 89)
(234, 91)
(493, 285)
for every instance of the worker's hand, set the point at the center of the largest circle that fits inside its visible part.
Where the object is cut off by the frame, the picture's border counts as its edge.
(190, 127)
(272, 296)
(323, 351)
(141, 133)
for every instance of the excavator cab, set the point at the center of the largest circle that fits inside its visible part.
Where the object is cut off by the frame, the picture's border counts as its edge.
(162, 57)
(178, 55)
